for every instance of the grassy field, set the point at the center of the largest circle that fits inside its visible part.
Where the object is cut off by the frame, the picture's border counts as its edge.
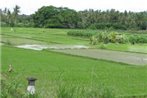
(140, 48)
(59, 36)
(49, 67)
(52, 69)
(39, 35)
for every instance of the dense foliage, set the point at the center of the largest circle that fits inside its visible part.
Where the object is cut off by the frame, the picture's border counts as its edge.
(115, 37)
(53, 17)
(50, 16)
(113, 19)
(138, 39)
(62, 17)
(98, 36)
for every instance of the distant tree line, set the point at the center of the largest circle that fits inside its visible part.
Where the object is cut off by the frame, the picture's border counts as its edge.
(12, 18)
(62, 17)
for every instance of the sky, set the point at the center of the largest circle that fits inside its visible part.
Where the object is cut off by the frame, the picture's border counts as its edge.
(30, 6)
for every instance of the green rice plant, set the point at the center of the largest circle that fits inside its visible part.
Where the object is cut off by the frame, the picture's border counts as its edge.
(11, 88)
(65, 91)
(43, 66)
(106, 93)
(81, 33)
(75, 91)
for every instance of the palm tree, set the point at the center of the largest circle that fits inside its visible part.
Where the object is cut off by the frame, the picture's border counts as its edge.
(9, 18)
(16, 11)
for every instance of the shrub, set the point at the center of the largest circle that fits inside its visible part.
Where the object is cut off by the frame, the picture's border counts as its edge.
(137, 39)
(106, 37)
(93, 40)
(102, 37)
(102, 46)
(112, 37)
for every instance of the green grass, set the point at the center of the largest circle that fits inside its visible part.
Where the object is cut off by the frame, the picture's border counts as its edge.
(35, 35)
(59, 36)
(140, 48)
(50, 67)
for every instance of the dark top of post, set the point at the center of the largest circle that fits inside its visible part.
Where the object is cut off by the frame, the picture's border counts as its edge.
(31, 81)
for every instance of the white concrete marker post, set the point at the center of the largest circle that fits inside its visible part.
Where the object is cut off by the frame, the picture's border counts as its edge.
(31, 85)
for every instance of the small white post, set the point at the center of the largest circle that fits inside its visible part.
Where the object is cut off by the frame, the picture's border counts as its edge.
(31, 85)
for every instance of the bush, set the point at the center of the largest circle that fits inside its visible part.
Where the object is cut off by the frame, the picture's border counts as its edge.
(112, 37)
(93, 40)
(106, 37)
(137, 39)
(102, 46)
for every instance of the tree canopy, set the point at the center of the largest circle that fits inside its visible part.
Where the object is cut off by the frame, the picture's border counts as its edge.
(63, 17)
(50, 16)
(53, 17)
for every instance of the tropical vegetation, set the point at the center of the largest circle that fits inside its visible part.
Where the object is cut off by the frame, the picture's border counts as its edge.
(63, 17)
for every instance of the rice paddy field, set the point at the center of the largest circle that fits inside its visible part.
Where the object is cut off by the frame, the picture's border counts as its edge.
(43, 36)
(139, 48)
(38, 35)
(53, 69)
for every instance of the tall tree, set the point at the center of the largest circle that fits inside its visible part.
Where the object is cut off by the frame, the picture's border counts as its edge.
(50, 16)
(16, 11)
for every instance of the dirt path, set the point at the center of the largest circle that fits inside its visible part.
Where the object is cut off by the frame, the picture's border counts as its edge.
(124, 57)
